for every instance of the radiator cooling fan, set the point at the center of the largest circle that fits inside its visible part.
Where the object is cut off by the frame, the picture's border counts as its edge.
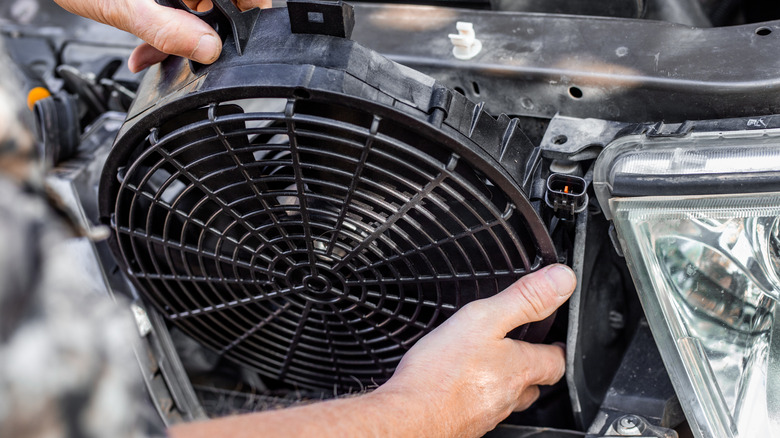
(309, 209)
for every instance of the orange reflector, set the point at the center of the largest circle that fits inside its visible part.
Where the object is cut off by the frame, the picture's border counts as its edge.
(566, 189)
(35, 95)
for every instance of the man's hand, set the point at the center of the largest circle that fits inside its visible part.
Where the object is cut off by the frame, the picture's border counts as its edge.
(458, 381)
(469, 369)
(167, 31)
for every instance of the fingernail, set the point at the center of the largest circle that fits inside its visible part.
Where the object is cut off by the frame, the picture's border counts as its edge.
(137, 68)
(207, 50)
(562, 279)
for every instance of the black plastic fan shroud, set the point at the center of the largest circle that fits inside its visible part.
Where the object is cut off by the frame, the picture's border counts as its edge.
(311, 209)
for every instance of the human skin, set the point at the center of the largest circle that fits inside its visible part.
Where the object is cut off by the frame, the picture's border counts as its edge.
(167, 31)
(460, 380)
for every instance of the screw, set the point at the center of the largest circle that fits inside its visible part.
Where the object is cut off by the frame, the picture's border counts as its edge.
(629, 425)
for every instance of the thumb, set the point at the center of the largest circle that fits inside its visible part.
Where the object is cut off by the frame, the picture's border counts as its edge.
(532, 298)
(174, 31)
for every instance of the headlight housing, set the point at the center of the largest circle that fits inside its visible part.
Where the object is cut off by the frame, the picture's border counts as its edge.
(705, 258)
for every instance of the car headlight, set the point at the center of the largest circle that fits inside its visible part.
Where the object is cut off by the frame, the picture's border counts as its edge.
(705, 257)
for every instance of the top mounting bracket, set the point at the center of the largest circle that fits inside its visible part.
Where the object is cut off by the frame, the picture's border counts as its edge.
(323, 17)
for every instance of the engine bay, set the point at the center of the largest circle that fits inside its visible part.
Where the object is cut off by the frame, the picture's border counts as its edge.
(285, 237)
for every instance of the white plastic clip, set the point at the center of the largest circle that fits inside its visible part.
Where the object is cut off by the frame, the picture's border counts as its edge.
(465, 42)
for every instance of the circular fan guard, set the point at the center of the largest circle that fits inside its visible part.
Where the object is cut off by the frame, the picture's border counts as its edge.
(315, 240)
(315, 250)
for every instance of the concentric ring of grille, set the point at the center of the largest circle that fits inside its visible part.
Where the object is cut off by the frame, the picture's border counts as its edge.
(315, 250)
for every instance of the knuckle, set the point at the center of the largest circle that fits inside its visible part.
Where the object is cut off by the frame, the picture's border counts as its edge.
(533, 396)
(533, 393)
(534, 293)
(555, 369)
(164, 38)
(478, 310)
(558, 370)
(527, 398)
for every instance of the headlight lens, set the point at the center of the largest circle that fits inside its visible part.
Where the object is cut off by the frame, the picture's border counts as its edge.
(709, 267)
(705, 258)
(703, 163)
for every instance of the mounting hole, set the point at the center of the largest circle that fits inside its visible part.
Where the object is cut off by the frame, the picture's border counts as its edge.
(560, 139)
(763, 31)
(460, 90)
(301, 93)
(475, 86)
(575, 92)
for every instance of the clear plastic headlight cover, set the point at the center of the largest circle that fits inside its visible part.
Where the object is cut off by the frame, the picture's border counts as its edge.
(702, 162)
(708, 273)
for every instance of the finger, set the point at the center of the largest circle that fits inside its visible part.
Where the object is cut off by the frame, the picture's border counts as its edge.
(146, 55)
(199, 5)
(549, 362)
(532, 298)
(143, 56)
(246, 5)
(174, 31)
(527, 398)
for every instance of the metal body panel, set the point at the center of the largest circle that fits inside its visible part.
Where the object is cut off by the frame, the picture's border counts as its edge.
(615, 69)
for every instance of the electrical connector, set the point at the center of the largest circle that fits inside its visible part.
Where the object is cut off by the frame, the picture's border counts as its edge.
(566, 194)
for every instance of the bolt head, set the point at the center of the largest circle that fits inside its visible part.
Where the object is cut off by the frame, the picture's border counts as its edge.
(629, 425)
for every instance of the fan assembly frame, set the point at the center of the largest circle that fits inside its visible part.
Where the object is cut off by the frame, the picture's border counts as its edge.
(310, 68)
